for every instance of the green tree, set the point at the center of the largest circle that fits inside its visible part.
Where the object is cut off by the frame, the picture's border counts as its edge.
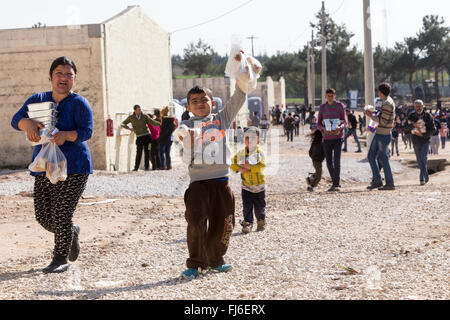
(343, 61)
(432, 39)
(291, 66)
(408, 59)
(198, 56)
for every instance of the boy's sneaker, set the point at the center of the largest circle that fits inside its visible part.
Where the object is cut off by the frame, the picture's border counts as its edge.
(223, 268)
(246, 227)
(310, 189)
(190, 273)
(261, 225)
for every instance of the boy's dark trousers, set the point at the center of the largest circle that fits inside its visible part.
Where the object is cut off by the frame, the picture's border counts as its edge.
(210, 207)
(314, 179)
(256, 201)
(332, 150)
(142, 144)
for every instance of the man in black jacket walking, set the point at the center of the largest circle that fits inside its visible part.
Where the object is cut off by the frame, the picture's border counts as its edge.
(352, 127)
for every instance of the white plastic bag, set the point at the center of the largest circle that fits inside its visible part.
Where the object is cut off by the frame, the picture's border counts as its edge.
(246, 71)
(51, 160)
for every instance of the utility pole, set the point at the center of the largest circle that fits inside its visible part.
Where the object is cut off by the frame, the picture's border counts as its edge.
(308, 75)
(253, 50)
(324, 55)
(313, 72)
(368, 56)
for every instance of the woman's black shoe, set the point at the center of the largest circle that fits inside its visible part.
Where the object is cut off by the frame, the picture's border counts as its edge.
(59, 264)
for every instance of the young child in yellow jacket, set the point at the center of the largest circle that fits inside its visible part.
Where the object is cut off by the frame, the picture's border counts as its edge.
(250, 163)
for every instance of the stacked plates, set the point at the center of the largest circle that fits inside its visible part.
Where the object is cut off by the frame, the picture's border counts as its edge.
(45, 113)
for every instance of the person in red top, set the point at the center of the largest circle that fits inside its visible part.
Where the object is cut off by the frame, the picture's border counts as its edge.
(331, 121)
(154, 151)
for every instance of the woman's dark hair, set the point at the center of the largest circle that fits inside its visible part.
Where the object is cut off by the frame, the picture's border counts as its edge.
(62, 61)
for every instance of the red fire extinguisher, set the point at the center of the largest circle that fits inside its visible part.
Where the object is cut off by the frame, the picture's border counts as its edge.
(109, 127)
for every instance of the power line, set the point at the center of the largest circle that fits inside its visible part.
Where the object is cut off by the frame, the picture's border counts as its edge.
(214, 19)
(342, 3)
(306, 29)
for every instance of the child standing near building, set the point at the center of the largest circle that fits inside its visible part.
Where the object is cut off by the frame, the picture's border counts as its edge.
(317, 155)
(250, 163)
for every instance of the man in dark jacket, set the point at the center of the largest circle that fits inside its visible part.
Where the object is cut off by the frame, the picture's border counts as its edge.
(289, 124)
(352, 127)
(423, 129)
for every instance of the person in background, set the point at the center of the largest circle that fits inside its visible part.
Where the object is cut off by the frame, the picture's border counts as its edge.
(435, 140)
(395, 135)
(313, 124)
(352, 127)
(443, 133)
(289, 126)
(421, 140)
(317, 155)
(379, 148)
(297, 124)
(254, 121)
(165, 139)
(361, 124)
(154, 147)
(55, 204)
(139, 122)
(264, 126)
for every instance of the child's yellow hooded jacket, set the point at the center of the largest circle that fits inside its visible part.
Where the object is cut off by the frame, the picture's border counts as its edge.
(255, 176)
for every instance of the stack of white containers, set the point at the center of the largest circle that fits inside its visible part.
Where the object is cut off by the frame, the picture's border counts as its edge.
(45, 113)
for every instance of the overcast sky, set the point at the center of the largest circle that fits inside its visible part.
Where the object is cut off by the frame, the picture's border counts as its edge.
(279, 25)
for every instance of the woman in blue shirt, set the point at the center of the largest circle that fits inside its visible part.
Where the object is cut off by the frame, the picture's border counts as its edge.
(55, 203)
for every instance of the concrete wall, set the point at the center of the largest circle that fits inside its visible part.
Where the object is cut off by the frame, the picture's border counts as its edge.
(138, 71)
(121, 62)
(25, 59)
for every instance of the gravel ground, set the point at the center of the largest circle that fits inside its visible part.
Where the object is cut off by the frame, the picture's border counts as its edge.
(135, 247)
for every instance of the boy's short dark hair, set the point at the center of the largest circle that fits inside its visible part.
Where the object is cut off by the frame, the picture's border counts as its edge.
(62, 61)
(250, 130)
(330, 90)
(136, 106)
(198, 90)
(384, 88)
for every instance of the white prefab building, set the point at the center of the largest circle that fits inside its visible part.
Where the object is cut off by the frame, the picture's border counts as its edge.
(121, 62)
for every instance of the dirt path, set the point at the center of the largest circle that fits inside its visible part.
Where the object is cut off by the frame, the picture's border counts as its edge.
(135, 248)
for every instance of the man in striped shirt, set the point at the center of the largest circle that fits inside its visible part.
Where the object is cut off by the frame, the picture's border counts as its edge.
(379, 147)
